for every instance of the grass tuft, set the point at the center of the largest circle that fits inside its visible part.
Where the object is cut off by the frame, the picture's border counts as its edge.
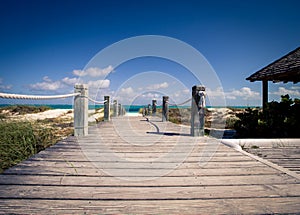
(20, 140)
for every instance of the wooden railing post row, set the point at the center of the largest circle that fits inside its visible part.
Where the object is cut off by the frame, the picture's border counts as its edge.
(165, 108)
(198, 111)
(106, 108)
(116, 108)
(81, 110)
(154, 107)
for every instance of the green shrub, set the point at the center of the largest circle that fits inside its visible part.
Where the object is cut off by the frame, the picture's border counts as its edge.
(277, 120)
(20, 139)
(26, 109)
(230, 122)
(17, 142)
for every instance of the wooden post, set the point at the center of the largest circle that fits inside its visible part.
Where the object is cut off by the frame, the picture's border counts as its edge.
(116, 108)
(165, 109)
(81, 110)
(265, 94)
(106, 108)
(120, 110)
(198, 111)
(154, 107)
(123, 110)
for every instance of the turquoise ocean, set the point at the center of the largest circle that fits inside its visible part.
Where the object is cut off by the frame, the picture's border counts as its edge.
(128, 108)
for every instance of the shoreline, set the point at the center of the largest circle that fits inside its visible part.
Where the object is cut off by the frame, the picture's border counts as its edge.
(135, 107)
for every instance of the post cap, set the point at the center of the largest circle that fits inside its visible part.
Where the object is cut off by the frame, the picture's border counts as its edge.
(198, 88)
(85, 86)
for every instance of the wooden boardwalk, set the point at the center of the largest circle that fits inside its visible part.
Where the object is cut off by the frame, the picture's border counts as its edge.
(133, 166)
(285, 156)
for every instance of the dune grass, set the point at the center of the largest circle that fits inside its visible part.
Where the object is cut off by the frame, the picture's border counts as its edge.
(25, 109)
(20, 140)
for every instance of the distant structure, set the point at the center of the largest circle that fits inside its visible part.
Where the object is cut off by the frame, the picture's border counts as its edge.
(285, 69)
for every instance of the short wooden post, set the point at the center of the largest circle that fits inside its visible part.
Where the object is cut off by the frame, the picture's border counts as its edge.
(154, 107)
(165, 108)
(106, 108)
(123, 110)
(81, 110)
(198, 111)
(116, 108)
(120, 110)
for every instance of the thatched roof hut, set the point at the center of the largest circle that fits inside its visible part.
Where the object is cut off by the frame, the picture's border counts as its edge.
(285, 69)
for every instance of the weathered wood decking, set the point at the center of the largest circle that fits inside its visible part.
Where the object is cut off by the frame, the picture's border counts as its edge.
(120, 168)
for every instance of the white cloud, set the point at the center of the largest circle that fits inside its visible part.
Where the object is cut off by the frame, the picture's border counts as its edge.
(181, 94)
(186, 91)
(295, 88)
(293, 91)
(217, 93)
(150, 96)
(244, 93)
(158, 86)
(99, 84)
(47, 86)
(47, 79)
(93, 72)
(70, 81)
(4, 87)
(127, 91)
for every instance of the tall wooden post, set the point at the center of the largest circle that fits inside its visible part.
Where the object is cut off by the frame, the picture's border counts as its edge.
(265, 94)
(198, 111)
(165, 108)
(106, 108)
(81, 110)
(154, 107)
(116, 108)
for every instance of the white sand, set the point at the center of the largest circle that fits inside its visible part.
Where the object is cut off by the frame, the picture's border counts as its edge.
(133, 114)
(49, 114)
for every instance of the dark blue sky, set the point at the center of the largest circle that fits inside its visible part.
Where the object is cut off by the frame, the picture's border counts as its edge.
(53, 38)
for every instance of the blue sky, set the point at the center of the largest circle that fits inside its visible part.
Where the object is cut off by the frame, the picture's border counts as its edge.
(46, 45)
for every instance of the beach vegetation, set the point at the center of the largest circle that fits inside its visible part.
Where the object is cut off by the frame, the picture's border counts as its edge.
(25, 109)
(20, 139)
(277, 120)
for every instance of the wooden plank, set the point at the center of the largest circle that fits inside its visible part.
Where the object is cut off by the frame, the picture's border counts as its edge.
(92, 171)
(71, 180)
(147, 165)
(204, 206)
(284, 156)
(147, 193)
(139, 157)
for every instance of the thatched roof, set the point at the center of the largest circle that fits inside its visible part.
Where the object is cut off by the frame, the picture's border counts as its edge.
(285, 69)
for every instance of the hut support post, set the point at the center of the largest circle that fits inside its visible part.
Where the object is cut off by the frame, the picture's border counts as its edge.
(265, 94)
